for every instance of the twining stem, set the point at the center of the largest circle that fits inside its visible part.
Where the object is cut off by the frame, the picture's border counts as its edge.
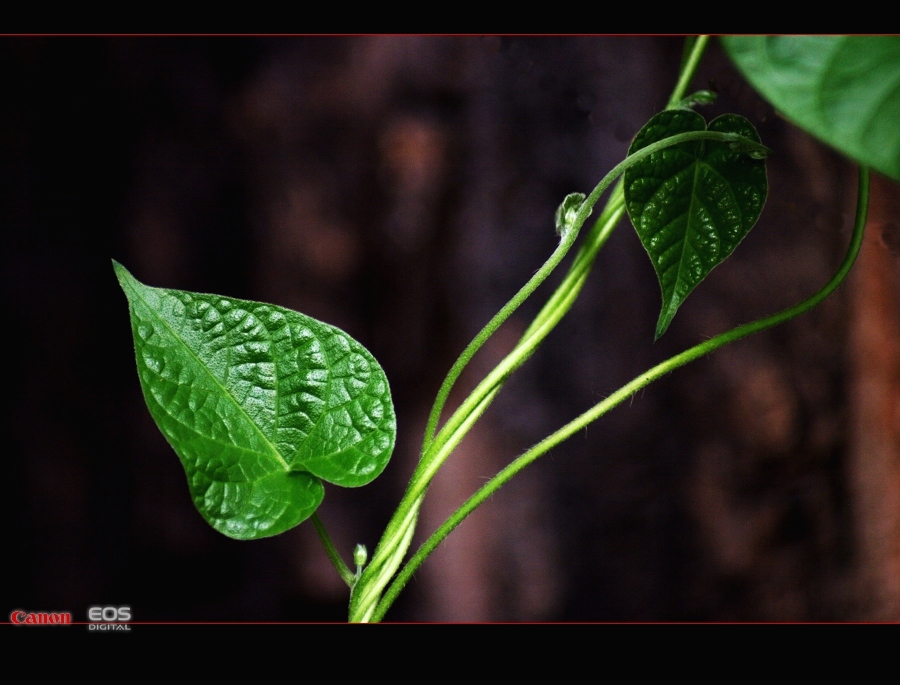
(436, 452)
(398, 533)
(568, 239)
(333, 555)
(688, 67)
(574, 281)
(531, 339)
(451, 433)
(565, 295)
(624, 393)
(567, 292)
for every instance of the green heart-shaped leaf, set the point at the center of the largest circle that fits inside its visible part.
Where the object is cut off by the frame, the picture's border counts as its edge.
(692, 203)
(259, 402)
(842, 89)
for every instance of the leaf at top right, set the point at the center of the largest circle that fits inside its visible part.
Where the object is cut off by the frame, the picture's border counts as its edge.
(844, 90)
(692, 203)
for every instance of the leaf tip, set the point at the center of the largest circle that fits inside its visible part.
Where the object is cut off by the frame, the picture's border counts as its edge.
(665, 318)
(121, 273)
(129, 284)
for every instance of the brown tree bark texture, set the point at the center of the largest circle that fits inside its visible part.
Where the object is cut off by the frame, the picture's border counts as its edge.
(875, 443)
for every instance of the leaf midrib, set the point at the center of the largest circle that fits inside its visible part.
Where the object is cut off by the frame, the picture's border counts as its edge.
(697, 164)
(206, 437)
(200, 362)
(690, 214)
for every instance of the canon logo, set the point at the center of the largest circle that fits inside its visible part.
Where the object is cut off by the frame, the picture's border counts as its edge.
(40, 618)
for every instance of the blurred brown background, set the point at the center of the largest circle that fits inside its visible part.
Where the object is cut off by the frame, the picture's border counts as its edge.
(403, 188)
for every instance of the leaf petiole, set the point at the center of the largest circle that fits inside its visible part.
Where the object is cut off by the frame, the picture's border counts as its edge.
(333, 555)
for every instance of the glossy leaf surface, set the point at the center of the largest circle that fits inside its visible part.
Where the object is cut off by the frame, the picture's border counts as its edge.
(692, 203)
(260, 403)
(844, 90)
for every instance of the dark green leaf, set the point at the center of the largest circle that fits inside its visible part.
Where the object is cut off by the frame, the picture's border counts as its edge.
(259, 402)
(692, 203)
(842, 89)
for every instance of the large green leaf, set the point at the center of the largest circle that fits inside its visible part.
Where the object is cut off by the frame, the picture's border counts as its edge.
(259, 402)
(842, 89)
(692, 203)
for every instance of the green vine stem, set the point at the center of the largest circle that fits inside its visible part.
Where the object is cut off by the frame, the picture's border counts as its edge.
(333, 556)
(627, 391)
(567, 239)
(544, 324)
(572, 285)
(570, 288)
(475, 404)
(398, 533)
(688, 68)
(478, 401)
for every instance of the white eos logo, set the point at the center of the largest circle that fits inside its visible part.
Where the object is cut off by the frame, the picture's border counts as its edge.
(109, 618)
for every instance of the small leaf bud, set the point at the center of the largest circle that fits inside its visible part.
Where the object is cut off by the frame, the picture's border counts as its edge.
(360, 555)
(567, 211)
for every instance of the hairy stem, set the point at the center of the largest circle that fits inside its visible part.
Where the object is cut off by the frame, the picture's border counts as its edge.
(627, 391)
(435, 450)
(561, 250)
(383, 563)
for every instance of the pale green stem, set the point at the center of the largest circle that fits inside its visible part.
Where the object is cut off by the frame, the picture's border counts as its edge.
(398, 533)
(452, 432)
(569, 289)
(687, 73)
(565, 243)
(624, 393)
(377, 574)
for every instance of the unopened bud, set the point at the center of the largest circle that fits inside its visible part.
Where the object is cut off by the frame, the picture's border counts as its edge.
(360, 555)
(567, 212)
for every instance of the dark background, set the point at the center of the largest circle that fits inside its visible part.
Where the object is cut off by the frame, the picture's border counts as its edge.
(403, 188)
